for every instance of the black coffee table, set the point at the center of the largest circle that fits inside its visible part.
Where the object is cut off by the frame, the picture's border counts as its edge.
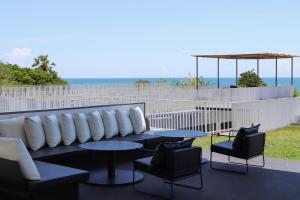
(112, 177)
(182, 134)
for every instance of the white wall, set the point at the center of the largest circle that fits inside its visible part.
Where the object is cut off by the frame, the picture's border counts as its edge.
(271, 114)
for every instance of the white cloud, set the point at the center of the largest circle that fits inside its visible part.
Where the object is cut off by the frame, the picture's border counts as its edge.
(18, 54)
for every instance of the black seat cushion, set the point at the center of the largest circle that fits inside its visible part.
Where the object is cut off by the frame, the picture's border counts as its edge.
(242, 133)
(226, 148)
(55, 175)
(159, 158)
(144, 165)
(60, 150)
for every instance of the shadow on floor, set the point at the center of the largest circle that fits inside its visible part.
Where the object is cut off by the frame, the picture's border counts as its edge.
(274, 182)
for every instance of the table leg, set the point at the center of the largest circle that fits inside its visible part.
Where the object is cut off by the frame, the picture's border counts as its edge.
(111, 167)
(112, 176)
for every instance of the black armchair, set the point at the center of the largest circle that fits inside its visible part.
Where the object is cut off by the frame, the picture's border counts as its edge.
(251, 146)
(179, 164)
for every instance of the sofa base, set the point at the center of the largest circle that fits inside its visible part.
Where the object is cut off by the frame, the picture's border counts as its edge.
(66, 192)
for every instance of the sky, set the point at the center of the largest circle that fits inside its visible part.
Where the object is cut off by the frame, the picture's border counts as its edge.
(139, 38)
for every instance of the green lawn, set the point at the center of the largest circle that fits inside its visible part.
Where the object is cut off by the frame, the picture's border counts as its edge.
(281, 143)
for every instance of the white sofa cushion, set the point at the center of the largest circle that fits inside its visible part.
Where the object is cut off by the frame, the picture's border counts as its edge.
(137, 119)
(124, 123)
(96, 125)
(13, 128)
(34, 132)
(14, 149)
(82, 127)
(52, 130)
(110, 123)
(67, 127)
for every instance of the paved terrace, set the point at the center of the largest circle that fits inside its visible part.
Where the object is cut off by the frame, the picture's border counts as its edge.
(280, 179)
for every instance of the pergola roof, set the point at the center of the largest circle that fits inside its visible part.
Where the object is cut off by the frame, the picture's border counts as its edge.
(249, 56)
(253, 56)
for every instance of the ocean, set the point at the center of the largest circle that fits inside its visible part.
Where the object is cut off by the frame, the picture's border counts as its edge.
(213, 81)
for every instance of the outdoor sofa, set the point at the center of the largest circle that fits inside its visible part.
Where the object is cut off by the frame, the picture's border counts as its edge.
(63, 166)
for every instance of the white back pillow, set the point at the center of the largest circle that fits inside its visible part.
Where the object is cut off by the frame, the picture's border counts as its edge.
(52, 130)
(34, 132)
(96, 125)
(137, 119)
(82, 127)
(110, 123)
(14, 149)
(67, 127)
(13, 128)
(124, 123)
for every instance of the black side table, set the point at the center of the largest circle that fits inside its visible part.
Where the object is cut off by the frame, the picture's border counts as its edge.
(112, 177)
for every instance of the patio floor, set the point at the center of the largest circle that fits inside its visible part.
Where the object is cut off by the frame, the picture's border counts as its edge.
(280, 179)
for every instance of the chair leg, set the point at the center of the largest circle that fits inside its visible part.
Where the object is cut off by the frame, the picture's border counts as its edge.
(188, 186)
(263, 160)
(172, 183)
(210, 160)
(172, 190)
(201, 179)
(227, 170)
(133, 178)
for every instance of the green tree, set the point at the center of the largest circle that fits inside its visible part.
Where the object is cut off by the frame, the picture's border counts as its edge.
(11, 74)
(250, 79)
(141, 81)
(163, 81)
(296, 93)
(6, 75)
(42, 62)
(192, 81)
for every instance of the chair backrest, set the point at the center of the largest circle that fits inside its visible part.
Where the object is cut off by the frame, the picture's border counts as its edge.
(254, 144)
(184, 161)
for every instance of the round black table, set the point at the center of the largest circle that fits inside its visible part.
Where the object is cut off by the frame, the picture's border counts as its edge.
(182, 134)
(112, 177)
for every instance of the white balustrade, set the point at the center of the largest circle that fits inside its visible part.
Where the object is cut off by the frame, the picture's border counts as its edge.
(167, 106)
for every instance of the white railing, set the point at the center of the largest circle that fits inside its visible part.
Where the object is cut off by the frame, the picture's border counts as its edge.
(171, 107)
(49, 97)
(271, 114)
(193, 115)
(222, 116)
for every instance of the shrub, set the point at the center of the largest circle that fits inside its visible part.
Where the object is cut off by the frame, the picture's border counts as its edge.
(250, 79)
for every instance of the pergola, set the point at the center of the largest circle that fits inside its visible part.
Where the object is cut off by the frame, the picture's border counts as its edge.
(255, 56)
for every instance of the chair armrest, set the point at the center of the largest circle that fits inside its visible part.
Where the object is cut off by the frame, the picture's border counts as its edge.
(220, 135)
(147, 124)
(255, 144)
(184, 161)
(11, 175)
(230, 134)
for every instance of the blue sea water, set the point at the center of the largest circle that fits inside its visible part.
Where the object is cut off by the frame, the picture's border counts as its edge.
(213, 81)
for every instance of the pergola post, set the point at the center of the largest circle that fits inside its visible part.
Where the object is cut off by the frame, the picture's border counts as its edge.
(236, 71)
(254, 56)
(197, 77)
(218, 72)
(257, 68)
(276, 65)
(292, 71)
